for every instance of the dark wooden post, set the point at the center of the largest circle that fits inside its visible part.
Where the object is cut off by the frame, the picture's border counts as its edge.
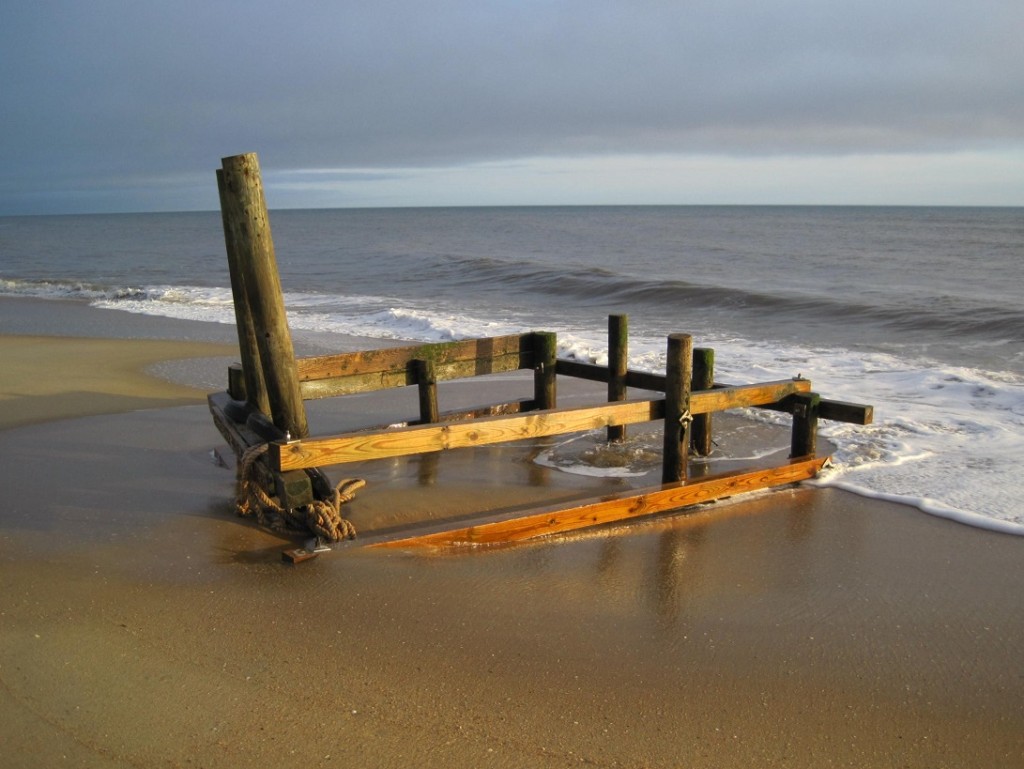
(805, 424)
(545, 350)
(678, 377)
(703, 379)
(426, 381)
(245, 211)
(252, 373)
(618, 359)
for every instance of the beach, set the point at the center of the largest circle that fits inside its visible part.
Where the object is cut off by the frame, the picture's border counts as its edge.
(143, 624)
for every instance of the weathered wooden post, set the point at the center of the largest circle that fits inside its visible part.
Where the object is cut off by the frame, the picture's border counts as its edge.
(805, 424)
(252, 373)
(545, 350)
(426, 382)
(618, 360)
(245, 214)
(678, 378)
(703, 379)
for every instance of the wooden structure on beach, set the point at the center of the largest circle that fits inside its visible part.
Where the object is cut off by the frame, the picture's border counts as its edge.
(263, 407)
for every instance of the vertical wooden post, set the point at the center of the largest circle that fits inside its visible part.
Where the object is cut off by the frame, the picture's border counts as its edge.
(703, 379)
(252, 373)
(618, 359)
(545, 349)
(245, 211)
(678, 377)
(805, 424)
(426, 381)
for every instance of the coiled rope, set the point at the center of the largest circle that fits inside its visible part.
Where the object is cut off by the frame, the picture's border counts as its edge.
(322, 516)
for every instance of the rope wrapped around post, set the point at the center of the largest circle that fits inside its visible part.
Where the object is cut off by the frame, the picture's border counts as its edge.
(322, 517)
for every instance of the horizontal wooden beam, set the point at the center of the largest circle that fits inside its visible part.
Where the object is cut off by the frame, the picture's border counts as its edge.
(836, 411)
(350, 384)
(641, 380)
(369, 370)
(594, 512)
(405, 441)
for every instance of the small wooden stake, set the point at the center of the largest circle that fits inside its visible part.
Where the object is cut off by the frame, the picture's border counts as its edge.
(245, 211)
(618, 360)
(703, 379)
(678, 377)
(545, 390)
(805, 424)
(426, 381)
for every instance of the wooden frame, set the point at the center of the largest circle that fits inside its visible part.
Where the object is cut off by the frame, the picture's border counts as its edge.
(264, 402)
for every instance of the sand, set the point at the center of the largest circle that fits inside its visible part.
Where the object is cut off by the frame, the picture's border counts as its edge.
(142, 624)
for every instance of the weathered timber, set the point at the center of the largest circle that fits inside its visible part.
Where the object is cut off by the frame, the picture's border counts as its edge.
(358, 372)
(396, 359)
(245, 214)
(255, 388)
(351, 384)
(293, 488)
(426, 381)
(843, 411)
(321, 450)
(594, 512)
(545, 387)
(618, 360)
(236, 383)
(404, 441)
(678, 379)
(805, 424)
(703, 379)
(836, 411)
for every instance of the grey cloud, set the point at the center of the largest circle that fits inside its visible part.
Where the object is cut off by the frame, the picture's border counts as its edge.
(99, 90)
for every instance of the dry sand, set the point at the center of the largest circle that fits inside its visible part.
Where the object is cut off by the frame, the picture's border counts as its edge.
(142, 624)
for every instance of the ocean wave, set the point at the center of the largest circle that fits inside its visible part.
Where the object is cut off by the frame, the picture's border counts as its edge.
(589, 286)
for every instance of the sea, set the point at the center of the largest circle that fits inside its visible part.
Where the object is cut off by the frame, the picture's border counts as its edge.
(917, 311)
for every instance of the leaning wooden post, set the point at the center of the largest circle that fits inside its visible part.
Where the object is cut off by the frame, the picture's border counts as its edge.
(618, 359)
(678, 377)
(545, 350)
(246, 212)
(252, 373)
(805, 424)
(703, 379)
(426, 381)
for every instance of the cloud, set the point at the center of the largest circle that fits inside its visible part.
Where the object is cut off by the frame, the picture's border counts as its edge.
(94, 91)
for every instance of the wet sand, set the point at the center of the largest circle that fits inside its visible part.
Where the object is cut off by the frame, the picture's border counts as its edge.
(143, 624)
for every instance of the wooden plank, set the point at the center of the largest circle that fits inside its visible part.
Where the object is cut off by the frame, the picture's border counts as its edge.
(395, 360)
(842, 411)
(641, 380)
(371, 381)
(604, 510)
(836, 411)
(744, 396)
(404, 441)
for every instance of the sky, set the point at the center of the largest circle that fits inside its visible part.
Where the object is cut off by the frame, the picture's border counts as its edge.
(121, 106)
